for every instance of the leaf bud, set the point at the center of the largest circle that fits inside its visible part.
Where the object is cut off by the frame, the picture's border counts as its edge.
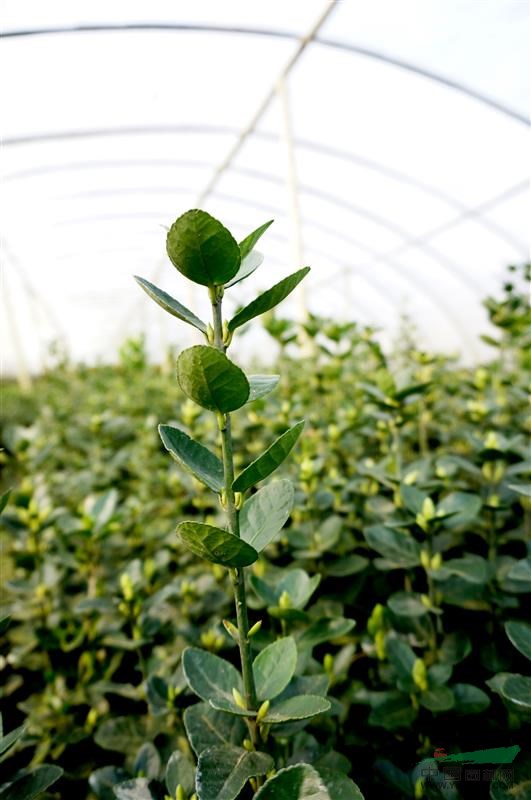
(428, 509)
(238, 699)
(419, 789)
(491, 441)
(262, 711)
(248, 745)
(375, 621)
(425, 559)
(179, 793)
(436, 562)
(425, 600)
(210, 334)
(126, 585)
(238, 500)
(379, 643)
(285, 600)
(418, 674)
(328, 663)
(231, 629)
(411, 477)
(255, 628)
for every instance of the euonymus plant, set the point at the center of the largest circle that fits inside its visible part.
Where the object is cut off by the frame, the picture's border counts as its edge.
(234, 730)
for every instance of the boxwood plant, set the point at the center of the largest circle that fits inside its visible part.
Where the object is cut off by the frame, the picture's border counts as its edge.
(240, 732)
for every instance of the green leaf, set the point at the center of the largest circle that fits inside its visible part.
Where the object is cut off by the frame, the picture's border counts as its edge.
(517, 689)
(301, 782)
(412, 498)
(201, 462)
(249, 264)
(210, 676)
(437, 700)
(455, 647)
(30, 786)
(399, 549)
(523, 489)
(102, 781)
(469, 699)
(324, 630)
(274, 667)
(338, 785)
(261, 385)
(121, 734)
(248, 244)
(223, 771)
(463, 507)
(265, 513)
(169, 304)
(406, 604)
(211, 380)
(520, 573)
(7, 741)
(520, 635)
(137, 789)
(179, 770)
(147, 761)
(470, 568)
(206, 727)
(401, 656)
(298, 707)
(216, 545)
(202, 249)
(269, 299)
(268, 462)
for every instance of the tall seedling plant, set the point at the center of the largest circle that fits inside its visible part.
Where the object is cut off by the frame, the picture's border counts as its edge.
(232, 731)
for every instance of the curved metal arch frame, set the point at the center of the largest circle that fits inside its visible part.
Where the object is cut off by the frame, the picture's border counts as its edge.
(267, 136)
(405, 274)
(281, 34)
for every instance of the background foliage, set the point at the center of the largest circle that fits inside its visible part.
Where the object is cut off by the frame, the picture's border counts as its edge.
(405, 569)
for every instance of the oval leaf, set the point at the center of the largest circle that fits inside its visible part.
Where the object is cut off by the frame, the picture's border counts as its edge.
(301, 706)
(274, 667)
(216, 545)
(520, 635)
(261, 385)
(517, 688)
(179, 770)
(300, 782)
(211, 380)
(248, 244)
(222, 772)
(269, 299)
(206, 727)
(249, 264)
(338, 785)
(268, 462)
(169, 304)
(33, 784)
(265, 513)
(202, 249)
(205, 465)
(210, 676)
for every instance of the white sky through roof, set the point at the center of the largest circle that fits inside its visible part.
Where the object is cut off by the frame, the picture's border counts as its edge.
(412, 193)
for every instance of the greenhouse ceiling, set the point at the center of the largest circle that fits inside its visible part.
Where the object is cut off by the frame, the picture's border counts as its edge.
(387, 139)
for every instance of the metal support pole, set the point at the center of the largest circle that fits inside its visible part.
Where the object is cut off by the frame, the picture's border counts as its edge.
(23, 375)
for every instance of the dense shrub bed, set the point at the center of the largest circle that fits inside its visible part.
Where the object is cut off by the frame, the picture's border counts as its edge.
(403, 574)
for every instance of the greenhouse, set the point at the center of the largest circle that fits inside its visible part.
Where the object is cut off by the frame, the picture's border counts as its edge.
(265, 497)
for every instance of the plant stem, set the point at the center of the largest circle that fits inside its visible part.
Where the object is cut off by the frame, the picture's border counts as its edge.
(237, 575)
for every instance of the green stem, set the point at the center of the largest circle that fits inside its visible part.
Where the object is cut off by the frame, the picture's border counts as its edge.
(237, 575)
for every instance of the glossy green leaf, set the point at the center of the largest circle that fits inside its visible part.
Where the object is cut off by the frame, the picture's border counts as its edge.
(210, 676)
(274, 667)
(205, 465)
(438, 700)
(216, 545)
(406, 604)
(523, 489)
(211, 380)
(261, 385)
(179, 771)
(249, 264)
(206, 727)
(462, 506)
(269, 299)
(301, 782)
(520, 635)
(400, 655)
(517, 689)
(169, 304)
(520, 573)
(223, 771)
(248, 244)
(298, 707)
(7, 741)
(338, 785)
(147, 761)
(4, 500)
(325, 630)
(412, 498)
(202, 249)
(31, 785)
(399, 549)
(265, 513)
(137, 789)
(268, 462)
(469, 699)
(470, 568)
(455, 648)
